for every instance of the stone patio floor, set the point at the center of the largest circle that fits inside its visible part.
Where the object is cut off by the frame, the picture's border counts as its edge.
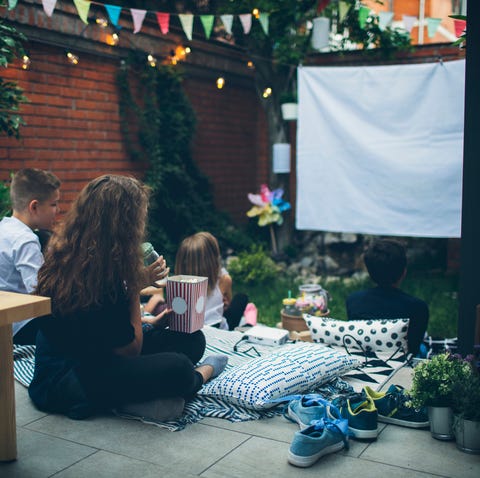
(108, 446)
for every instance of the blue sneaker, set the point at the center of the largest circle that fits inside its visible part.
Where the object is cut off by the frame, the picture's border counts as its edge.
(305, 409)
(362, 416)
(392, 408)
(319, 439)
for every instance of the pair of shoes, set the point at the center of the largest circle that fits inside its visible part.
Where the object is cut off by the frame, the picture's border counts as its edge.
(392, 407)
(361, 413)
(159, 410)
(305, 409)
(319, 439)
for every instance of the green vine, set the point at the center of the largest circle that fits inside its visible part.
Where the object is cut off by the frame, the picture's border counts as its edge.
(158, 123)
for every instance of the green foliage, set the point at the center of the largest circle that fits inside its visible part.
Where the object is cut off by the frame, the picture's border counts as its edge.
(253, 267)
(4, 199)
(11, 95)
(162, 122)
(466, 394)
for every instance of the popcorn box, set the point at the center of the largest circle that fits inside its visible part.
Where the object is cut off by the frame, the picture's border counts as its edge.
(186, 296)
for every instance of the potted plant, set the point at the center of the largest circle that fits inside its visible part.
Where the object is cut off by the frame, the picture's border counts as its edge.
(434, 382)
(288, 102)
(466, 409)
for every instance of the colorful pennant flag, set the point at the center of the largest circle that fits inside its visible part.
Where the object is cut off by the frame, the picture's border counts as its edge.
(12, 4)
(207, 23)
(49, 6)
(246, 21)
(460, 26)
(138, 16)
(186, 19)
(363, 15)
(264, 20)
(113, 13)
(384, 19)
(321, 5)
(163, 20)
(409, 22)
(227, 21)
(82, 7)
(432, 26)
(343, 8)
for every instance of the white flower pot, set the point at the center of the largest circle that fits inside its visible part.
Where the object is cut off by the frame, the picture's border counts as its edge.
(289, 111)
(467, 435)
(441, 422)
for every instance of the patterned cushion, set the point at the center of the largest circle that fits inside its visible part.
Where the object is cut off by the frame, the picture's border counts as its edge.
(291, 369)
(372, 335)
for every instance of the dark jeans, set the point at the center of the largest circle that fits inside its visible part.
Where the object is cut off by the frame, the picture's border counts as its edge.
(235, 310)
(28, 333)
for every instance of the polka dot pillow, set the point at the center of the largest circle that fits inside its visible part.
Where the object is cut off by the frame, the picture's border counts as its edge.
(372, 335)
(291, 369)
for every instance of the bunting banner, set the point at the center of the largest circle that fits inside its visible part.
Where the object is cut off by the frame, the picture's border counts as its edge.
(12, 4)
(384, 19)
(138, 16)
(186, 19)
(227, 21)
(432, 26)
(83, 7)
(409, 22)
(363, 15)
(49, 6)
(207, 23)
(460, 26)
(246, 21)
(343, 8)
(163, 20)
(264, 21)
(113, 13)
(322, 4)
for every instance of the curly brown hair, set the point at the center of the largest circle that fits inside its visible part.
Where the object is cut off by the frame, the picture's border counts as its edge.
(96, 254)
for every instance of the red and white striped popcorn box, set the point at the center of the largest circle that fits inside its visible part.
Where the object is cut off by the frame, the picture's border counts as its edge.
(187, 296)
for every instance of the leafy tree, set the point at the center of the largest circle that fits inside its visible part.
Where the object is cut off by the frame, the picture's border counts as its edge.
(11, 95)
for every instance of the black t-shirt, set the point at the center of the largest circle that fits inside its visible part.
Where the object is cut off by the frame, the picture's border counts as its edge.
(391, 303)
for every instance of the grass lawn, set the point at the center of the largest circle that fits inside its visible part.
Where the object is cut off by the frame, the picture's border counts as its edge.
(436, 288)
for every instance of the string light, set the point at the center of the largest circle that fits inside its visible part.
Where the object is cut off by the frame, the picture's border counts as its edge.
(73, 59)
(250, 65)
(101, 22)
(179, 54)
(220, 82)
(26, 62)
(152, 61)
(256, 13)
(267, 92)
(113, 39)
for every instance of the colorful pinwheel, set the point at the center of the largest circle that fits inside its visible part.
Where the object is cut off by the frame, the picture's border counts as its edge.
(268, 206)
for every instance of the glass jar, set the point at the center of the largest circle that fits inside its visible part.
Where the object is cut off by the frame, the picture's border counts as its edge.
(289, 308)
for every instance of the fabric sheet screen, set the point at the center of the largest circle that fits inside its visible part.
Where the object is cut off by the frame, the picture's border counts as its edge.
(380, 149)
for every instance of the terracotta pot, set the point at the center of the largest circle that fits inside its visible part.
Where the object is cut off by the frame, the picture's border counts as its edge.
(441, 422)
(467, 435)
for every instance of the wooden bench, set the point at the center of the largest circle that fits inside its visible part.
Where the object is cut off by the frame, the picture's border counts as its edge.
(13, 308)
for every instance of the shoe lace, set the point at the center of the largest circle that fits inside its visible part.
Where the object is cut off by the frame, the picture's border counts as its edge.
(338, 425)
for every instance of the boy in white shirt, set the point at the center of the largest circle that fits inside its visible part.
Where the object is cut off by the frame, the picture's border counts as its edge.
(34, 196)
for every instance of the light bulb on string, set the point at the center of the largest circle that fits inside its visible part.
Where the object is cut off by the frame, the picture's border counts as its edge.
(26, 62)
(73, 59)
(220, 82)
(113, 39)
(267, 92)
(101, 22)
(250, 65)
(152, 61)
(256, 13)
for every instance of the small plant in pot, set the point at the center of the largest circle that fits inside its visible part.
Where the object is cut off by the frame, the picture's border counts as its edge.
(434, 383)
(466, 409)
(288, 102)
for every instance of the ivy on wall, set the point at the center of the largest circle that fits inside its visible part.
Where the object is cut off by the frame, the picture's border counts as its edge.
(158, 124)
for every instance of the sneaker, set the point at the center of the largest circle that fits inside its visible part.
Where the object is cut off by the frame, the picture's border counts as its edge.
(306, 409)
(362, 416)
(319, 439)
(160, 410)
(392, 408)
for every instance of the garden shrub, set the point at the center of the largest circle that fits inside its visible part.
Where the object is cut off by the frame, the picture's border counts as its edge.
(253, 266)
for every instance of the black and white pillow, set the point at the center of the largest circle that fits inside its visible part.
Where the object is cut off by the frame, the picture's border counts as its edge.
(377, 335)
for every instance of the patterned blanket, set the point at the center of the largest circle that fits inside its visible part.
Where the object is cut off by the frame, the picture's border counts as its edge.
(374, 372)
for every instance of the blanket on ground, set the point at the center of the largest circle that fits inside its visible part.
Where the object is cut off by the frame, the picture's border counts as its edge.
(375, 371)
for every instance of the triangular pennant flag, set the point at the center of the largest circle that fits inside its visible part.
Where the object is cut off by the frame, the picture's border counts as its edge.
(343, 8)
(227, 21)
(49, 6)
(186, 19)
(12, 4)
(82, 7)
(384, 19)
(460, 26)
(362, 16)
(432, 26)
(321, 5)
(246, 21)
(113, 13)
(263, 19)
(163, 20)
(408, 22)
(138, 16)
(207, 23)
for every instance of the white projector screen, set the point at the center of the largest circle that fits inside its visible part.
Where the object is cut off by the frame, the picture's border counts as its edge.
(380, 149)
